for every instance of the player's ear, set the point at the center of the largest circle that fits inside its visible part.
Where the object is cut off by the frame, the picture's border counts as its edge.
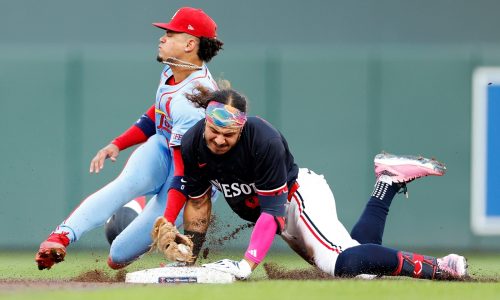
(191, 45)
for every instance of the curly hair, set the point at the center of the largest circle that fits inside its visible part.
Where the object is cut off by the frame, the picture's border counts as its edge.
(201, 96)
(209, 48)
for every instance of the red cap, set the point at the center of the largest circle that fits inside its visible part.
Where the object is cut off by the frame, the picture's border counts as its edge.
(193, 21)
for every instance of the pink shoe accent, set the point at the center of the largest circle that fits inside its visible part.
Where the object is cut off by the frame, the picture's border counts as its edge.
(452, 266)
(405, 168)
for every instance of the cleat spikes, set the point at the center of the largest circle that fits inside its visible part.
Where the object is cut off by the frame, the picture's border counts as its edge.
(405, 168)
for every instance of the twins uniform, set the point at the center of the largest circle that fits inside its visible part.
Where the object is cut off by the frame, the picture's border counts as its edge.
(147, 172)
(260, 164)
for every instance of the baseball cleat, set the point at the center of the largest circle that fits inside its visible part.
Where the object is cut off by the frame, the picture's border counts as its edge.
(52, 250)
(452, 267)
(116, 266)
(405, 168)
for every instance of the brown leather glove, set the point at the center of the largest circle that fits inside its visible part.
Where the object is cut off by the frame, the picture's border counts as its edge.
(168, 240)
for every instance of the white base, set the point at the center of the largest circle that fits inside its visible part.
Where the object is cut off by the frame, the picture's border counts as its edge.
(179, 275)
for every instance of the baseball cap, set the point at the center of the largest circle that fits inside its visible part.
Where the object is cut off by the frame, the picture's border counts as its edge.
(193, 21)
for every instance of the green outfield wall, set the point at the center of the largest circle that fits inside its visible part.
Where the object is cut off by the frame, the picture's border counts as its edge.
(81, 75)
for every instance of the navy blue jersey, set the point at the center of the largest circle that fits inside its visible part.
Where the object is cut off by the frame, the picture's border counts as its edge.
(253, 176)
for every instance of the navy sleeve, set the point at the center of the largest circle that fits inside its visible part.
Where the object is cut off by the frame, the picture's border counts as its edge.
(271, 183)
(146, 125)
(194, 179)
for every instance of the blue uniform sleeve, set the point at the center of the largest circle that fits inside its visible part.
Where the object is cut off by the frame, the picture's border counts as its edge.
(184, 116)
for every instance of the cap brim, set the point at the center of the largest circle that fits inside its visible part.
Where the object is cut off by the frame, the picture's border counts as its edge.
(161, 25)
(167, 26)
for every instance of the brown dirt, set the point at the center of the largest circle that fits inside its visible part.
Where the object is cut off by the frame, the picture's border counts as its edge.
(100, 276)
(233, 234)
(23, 284)
(87, 280)
(218, 235)
(276, 272)
(96, 279)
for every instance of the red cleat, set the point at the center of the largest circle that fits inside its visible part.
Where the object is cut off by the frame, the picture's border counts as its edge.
(52, 250)
(116, 266)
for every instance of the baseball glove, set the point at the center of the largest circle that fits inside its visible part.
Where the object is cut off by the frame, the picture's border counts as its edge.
(168, 240)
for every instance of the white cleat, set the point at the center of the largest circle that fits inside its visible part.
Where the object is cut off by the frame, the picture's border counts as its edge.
(452, 267)
(405, 168)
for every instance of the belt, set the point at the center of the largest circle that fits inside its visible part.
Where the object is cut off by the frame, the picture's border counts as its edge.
(295, 186)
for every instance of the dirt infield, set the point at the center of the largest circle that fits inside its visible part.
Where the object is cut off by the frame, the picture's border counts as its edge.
(19, 284)
(96, 279)
(87, 280)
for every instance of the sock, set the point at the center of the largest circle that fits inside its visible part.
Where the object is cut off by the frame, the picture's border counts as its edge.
(379, 260)
(371, 224)
(70, 234)
(416, 265)
(366, 259)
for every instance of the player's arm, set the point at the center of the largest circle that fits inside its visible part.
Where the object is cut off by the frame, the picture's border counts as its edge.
(270, 222)
(184, 116)
(196, 219)
(272, 192)
(136, 134)
(177, 192)
(189, 183)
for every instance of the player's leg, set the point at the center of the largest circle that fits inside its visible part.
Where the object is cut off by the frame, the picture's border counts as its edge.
(123, 217)
(379, 260)
(144, 173)
(311, 225)
(392, 173)
(313, 230)
(135, 239)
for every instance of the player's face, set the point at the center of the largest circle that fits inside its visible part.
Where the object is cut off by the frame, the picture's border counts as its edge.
(219, 139)
(172, 44)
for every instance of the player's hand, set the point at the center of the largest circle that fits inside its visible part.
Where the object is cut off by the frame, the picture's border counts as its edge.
(111, 151)
(240, 269)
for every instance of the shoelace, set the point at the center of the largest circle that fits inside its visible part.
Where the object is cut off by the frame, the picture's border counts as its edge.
(403, 190)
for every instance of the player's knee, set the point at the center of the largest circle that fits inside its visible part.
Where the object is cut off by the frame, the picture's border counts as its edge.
(349, 263)
(121, 219)
(116, 265)
(115, 255)
(118, 258)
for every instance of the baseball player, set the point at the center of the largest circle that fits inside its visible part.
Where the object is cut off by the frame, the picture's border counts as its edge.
(156, 167)
(250, 163)
(123, 217)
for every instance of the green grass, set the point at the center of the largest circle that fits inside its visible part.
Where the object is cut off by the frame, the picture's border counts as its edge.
(18, 266)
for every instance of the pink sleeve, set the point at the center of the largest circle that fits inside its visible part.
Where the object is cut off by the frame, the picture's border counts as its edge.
(262, 238)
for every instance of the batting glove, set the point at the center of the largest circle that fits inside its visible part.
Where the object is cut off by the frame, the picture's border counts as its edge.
(241, 270)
